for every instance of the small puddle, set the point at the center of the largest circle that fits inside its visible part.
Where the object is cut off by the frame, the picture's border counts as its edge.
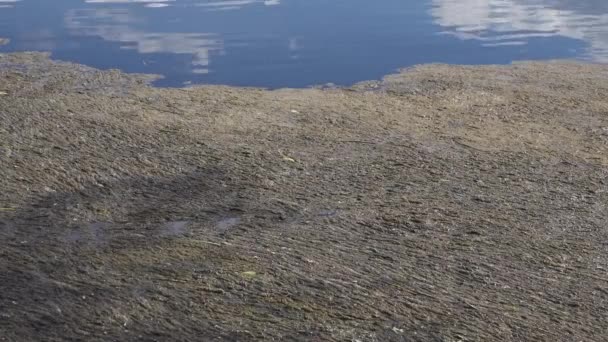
(93, 234)
(328, 213)
(227, 223)
(175, 228)
(7, 230)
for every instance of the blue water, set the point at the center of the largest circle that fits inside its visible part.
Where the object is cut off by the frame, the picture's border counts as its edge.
(299, 43)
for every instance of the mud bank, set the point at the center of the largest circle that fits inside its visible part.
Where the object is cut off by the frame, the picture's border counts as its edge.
(445, 203)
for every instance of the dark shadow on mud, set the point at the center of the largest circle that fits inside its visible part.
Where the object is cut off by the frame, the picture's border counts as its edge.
(55, 252)
(100, 215)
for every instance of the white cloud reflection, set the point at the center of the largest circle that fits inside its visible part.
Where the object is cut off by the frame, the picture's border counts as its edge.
(213, 5)
(8, 3)
(118, 25)
(512, 22)
(234, 4)
(147, 3)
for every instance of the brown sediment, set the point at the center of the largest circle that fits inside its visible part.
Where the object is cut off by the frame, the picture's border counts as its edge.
(444, 203)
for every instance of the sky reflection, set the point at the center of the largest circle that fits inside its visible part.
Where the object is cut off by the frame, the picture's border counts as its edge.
(515, 22)
(276, 43)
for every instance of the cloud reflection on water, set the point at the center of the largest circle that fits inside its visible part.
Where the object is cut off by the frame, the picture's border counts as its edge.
(301, 42)
(513, 22)
(213, 5)
(8, 3)
(120, 25)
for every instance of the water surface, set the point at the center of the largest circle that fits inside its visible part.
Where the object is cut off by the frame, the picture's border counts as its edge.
(298, 43)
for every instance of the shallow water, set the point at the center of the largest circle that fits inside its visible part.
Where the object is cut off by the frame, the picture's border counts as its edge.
(226, 223)
(175, 228)
(297, 43)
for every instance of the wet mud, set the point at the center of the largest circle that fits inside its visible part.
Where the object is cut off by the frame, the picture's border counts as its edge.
(444, 203)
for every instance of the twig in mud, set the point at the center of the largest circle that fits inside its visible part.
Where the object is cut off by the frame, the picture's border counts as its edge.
(458, 142)
(214, 243)
(357, 142)
(471, 306)
(371, 143)
(168, 280)
(287, 203)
